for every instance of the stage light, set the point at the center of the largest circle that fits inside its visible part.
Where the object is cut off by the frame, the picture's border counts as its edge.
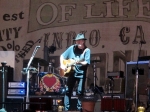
(141, 109)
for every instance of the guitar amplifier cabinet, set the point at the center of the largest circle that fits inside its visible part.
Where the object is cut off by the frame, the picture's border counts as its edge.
(117, 83)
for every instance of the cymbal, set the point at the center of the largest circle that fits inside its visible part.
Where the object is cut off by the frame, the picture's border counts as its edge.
(41, 62)
(144, 58)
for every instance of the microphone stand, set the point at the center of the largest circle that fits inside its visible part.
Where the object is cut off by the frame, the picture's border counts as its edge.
(137, 75)
(3, 94)
(28, 74)
(38, 79)
(95, 88)
(95, 77)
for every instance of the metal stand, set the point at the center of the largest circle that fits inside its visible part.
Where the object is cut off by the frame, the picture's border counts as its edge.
(50, 68)
(38, 79)
(3, 94)
(27, 70)
(95, 87)
(136, 83)
(136, 92)
(94, 70)
(148, 89)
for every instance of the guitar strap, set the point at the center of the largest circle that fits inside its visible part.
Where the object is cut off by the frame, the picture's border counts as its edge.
(84, 51)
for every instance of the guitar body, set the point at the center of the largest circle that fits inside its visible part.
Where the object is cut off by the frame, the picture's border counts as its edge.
(68, 66)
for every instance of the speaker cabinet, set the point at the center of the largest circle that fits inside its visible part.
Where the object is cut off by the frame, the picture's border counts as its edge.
(14, 104)
(109, 104)
(41, 103)
(117, 85)
(143, 78)
(8, 77)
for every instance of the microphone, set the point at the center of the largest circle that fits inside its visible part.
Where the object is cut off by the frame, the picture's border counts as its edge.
(78, 45)
(39, 40)
(38, 46)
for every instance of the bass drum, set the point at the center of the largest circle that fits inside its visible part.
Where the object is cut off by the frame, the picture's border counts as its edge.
(50, 83)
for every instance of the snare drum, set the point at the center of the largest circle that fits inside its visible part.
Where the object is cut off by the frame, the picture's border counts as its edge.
(50, 83)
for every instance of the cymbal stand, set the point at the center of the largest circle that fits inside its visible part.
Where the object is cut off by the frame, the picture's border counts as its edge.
(3, 94)
(28, 74)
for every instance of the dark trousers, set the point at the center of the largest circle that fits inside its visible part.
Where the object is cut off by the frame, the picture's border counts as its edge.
(71, 81)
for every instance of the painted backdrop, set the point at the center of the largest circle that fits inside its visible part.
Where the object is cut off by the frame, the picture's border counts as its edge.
(115, 30)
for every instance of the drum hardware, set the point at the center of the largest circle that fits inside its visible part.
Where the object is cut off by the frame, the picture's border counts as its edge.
(51, 82)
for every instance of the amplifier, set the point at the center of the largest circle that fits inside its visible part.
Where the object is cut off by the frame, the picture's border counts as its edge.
(16, 85)
(119, 74)
(118, 85)
(14, 104)
(16, 92)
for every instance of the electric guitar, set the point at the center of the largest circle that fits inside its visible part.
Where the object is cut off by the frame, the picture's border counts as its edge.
(68, 66)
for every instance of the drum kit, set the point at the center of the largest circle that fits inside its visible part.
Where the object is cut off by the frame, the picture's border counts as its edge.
(45, 83)
(50, 83)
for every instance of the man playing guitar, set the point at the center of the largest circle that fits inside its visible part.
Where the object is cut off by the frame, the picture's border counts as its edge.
(73, 63)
